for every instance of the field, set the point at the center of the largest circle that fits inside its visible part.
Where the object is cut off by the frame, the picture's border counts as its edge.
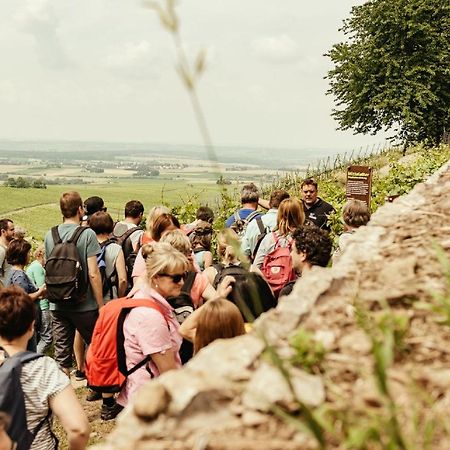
(38, 209)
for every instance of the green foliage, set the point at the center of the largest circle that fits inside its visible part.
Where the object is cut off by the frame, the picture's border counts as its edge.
(308, 352)
(393, 70)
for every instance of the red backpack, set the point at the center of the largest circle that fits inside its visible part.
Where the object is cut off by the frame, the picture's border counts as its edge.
(106, 368)
(277, 266)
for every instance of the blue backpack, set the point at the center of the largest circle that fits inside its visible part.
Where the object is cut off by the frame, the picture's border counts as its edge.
(12, 400)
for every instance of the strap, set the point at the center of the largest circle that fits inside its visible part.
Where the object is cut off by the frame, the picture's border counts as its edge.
(55, 235)
(128, 233)
(237, 217)
(105, 244)
(187, 286)
(76, 235)
(251, 216)
(199, 250)
(260, 224)
(139, 365)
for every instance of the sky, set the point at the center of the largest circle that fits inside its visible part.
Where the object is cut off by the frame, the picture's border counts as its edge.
(104, 70)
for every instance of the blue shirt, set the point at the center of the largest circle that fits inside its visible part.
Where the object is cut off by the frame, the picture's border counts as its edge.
(243, 214)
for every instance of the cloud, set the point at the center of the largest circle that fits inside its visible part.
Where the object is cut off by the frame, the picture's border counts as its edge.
(280, 49)
(38, 18)
(134, 60)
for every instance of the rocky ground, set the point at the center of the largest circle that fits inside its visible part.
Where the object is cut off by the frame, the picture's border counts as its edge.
(378, 377)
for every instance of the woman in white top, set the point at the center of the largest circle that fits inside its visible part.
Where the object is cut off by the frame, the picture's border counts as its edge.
(46, 388)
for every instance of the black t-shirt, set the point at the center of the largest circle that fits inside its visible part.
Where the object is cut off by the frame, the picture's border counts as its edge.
(318, 213)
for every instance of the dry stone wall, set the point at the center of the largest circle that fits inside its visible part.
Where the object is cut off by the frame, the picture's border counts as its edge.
(224, 398)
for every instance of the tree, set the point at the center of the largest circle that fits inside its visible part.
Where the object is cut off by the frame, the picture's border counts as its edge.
(393, 70)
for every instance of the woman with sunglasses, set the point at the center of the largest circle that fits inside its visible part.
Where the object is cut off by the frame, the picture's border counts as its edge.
(149, 332)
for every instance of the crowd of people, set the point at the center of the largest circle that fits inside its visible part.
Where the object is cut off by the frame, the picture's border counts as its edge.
(121, 303)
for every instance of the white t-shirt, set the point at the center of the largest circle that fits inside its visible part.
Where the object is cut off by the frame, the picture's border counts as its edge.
(41, 379)
(122, 227)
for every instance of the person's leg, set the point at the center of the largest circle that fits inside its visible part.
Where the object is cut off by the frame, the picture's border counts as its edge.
(64, 335)
(79, 349)
(45, 334)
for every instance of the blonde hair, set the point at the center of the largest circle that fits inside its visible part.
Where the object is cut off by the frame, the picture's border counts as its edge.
(39, 252)
(355, 213)
(153, 214)
(290, 216)
(219, 319)
(178, 240)
(161, 257)
(225, 250)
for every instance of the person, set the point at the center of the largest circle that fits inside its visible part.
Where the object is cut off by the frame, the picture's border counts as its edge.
(36, 272)
(70, 316)
(203, 214)
(6, 236)
(355, 214)
(263, 225)
(163, 223)
(247, 212)
(5, 441)
(200, 238)
(147, 332)
(154, 213)
(46, 388)
(217, 319)
(134, 211)
(90, 206)
(19, 232)
(317, 210)
(115, 271)
(18, 256)
(202, 289)
(311, 247)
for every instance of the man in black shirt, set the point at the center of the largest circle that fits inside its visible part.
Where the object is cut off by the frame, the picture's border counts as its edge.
(316, 209)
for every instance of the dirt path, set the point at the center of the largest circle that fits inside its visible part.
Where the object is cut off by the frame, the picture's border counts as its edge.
(27, 208)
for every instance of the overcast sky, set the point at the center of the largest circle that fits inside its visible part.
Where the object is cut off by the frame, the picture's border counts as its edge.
(104, 70)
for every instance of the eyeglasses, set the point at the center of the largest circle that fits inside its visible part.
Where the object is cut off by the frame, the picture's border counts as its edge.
(175, 278)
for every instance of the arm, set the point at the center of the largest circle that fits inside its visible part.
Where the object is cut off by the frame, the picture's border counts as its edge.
(122, 280)
(165, 361)
(207, 259)
(72, 417)
(209, 292)
(263, 203)
(210, 272)
(189, 327)
(95, 279)
(38, 294)
(266, 246)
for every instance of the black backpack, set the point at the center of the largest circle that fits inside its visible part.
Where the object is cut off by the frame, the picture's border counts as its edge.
(128, 252)
(239, 225)
(64, 277)
(235, 271)
(12, 400)
(108, 282)
(183, 308)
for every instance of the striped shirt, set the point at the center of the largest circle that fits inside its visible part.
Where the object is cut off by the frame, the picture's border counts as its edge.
(41, 379)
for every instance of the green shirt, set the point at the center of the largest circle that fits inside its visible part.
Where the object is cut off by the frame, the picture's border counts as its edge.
(37, 275)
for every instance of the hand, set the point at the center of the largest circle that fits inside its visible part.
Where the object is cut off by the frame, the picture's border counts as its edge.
(226, 286)
(42, 291)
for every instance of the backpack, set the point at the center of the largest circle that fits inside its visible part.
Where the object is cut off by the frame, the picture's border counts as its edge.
(108, 283)
(240, 225)
(128, 252)
(182, 304)
(12, 400)
(277, 266)
(262, 234)
(233, 270)
(106, 368)
(64, 277)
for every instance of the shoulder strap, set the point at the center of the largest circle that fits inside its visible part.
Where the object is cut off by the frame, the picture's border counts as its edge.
(260, 224)
(55, 235)
(105, 244)
(187, 286)
(76, 235)
(128, 233)
(237, 217)
(251, 216)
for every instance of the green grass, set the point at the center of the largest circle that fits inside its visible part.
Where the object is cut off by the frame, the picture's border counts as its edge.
(44, 203)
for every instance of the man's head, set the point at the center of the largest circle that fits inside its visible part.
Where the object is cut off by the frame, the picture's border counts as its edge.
(205, 213)
(355, 214)
(311, 247)
(250, 195)
(6, 230)
(71, 205)
(276, 197)
(309, 192)
(134, 209)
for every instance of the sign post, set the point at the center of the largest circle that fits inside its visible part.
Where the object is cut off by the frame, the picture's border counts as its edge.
(359, 184)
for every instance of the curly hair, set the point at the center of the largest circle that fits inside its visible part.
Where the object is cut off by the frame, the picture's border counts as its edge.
(314, 243)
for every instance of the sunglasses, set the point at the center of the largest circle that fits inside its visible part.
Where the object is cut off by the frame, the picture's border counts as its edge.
(175, 278)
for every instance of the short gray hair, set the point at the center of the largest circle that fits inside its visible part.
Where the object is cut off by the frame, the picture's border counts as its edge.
(249, 194)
